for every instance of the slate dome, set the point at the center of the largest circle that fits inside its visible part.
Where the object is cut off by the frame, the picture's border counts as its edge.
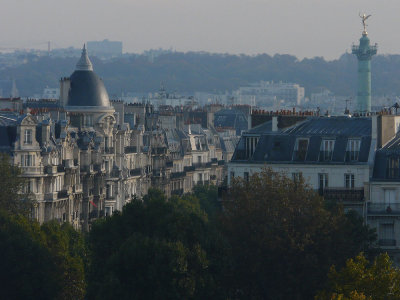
(86, 88)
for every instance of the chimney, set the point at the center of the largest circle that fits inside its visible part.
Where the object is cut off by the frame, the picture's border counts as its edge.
(274, 123)
(45, 131)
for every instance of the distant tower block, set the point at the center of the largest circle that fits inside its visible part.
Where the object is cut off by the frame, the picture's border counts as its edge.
(364, 53)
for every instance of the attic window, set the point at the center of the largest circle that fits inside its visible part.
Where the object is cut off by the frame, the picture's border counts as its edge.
(28, 136)
(300, 150)
(327, 147)
(353, 149)
(393, 167)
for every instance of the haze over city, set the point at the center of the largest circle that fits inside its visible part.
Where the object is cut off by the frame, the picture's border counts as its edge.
(305, 28)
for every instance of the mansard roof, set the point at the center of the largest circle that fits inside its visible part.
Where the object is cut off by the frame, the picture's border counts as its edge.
(391, 151)
(279, 146)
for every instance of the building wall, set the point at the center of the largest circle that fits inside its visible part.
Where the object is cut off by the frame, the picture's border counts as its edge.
(309, 172)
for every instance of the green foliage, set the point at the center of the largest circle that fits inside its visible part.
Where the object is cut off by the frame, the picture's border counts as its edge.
(155, 249)
(359, 279)
(67, 249)
(11, 186)
(283, 239)
(208, 199)
(26, 266)
(46, 262)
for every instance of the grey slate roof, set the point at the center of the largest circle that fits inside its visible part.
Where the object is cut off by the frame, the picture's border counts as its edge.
(279, 147)
(231, 118)
(381, 165)
(87, 89)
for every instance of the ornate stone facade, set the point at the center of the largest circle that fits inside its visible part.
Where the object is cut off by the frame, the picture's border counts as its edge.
(96, 155)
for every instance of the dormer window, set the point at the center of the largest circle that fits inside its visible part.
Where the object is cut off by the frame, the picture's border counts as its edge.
(353, 149)
(251, 143)
(300, 149)
(393, 167)
(327, 150)
(28, 136)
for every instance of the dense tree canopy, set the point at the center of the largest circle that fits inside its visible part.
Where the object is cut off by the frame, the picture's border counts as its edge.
(283, 238)
(26, 267)
(155, 249)
(43, 262)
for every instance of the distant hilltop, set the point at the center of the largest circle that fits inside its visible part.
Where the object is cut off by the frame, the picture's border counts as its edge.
(199, 71)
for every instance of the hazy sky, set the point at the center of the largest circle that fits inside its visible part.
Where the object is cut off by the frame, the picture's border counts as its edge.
(305, 28)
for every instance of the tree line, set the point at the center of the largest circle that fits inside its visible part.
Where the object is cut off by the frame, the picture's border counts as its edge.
(198, 71)
(269, 238)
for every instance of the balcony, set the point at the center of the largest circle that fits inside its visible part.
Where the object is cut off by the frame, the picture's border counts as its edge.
(169, 164)
(109, 150)
(130, 149)
(189, 168)
(387, 242)
(221, 162)
(135, 172)
(383, 208)
(177, 175)
(32, 170)
(343, 194)
(62, 194)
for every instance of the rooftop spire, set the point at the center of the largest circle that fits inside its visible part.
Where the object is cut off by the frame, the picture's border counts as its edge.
(84, 63)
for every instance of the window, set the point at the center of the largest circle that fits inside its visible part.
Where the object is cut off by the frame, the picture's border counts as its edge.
(88, 120)
(28, 136)
(393, 168)
(251, 143)
(322, 181)
(27, 160)
(200, 177)
(353, 149)
(246, 176)
(389, 196)
(327, 150)
(199, 159)
(300, 150)
(349, 181)
(386, 234)
(296, 176)
(232, 175)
